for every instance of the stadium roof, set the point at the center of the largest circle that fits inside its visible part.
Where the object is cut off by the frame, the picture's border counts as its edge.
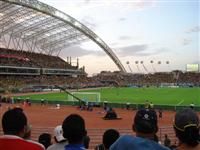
(38, 27)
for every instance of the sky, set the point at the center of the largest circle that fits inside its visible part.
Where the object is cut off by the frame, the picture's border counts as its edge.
(136, 30)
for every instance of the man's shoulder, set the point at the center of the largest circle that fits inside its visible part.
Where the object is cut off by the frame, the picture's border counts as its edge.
(74, 147)
(126, 138)
(57, 146)
(128, 142)
(159, 146)
(53, 147)
(35, 144)
(125, 142)
(19, 143)
(130, 138)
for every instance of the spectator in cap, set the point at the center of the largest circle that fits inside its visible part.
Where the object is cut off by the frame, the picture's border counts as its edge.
(74, 131)
(60, 141)
(14, 123)
(186, 126)
(145, 126)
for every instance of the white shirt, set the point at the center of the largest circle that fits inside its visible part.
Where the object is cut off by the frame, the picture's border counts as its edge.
(58, 146)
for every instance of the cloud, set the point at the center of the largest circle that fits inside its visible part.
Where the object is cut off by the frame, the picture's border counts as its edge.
(193, 29)
(132, 50)
(161, 50)
(186, 41)
(129, 4)
(121, 19)
(125, 38)
(89, 22)
(77, 51)
(139, 50)
(196, 62)
(114, 44)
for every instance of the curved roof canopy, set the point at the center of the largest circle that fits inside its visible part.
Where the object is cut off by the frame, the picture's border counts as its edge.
(40, 27)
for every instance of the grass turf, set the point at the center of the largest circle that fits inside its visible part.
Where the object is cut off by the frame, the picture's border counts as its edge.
(161, 96)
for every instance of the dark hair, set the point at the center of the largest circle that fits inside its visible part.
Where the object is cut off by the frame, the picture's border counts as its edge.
(45, 139)
(186, 126)
(74, 128)
(109, 137)
(14, 121)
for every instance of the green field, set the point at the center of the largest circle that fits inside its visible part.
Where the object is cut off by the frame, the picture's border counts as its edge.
(161, 96)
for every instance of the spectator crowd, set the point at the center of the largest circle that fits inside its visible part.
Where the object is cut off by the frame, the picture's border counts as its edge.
(15, 58)
(72, 133)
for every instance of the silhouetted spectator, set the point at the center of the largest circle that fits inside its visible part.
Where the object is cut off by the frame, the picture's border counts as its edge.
(109, 137)
(45, 139)
(74, 131)
(14, 123)
(60, 141)
(167, 141)
(145, 126)
(186, 127)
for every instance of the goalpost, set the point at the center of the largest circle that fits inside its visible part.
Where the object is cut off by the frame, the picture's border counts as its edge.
(85, 96)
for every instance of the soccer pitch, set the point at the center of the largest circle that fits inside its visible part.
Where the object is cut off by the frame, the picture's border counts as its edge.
(160, 96)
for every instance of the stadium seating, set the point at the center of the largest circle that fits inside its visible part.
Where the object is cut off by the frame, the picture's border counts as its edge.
(16, 58)
(29, 59)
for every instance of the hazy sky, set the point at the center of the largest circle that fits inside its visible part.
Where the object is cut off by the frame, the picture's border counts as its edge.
(136, 30)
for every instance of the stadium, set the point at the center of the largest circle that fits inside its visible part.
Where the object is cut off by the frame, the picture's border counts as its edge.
(35, 77)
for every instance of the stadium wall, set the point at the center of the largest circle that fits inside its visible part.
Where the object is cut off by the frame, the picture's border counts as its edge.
(113, 105)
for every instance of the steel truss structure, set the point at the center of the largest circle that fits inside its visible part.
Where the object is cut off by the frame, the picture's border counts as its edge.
(37, 27)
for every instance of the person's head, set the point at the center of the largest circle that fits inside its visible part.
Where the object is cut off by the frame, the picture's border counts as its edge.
(14, 122)
(58, 134)
(186, 126)
(45, 139)
(109, 137)
(145, 122)
(74, 128)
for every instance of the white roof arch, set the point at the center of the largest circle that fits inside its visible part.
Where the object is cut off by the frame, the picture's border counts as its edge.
(44, 28)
